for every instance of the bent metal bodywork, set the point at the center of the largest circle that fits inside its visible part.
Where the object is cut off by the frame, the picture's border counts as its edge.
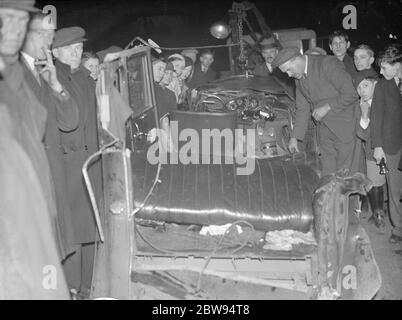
(153, 247)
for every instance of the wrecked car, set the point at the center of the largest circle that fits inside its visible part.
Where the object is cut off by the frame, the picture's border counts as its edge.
(195, 228)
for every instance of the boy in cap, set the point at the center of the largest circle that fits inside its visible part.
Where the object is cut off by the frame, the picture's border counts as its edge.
(325, 91)
(77, 147)
(365, 84)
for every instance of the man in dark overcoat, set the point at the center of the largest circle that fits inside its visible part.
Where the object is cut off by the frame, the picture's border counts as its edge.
(62, 112)
(77, 147)
(23, 106)
(29, 227)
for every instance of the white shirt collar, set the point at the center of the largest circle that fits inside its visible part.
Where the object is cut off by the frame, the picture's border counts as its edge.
(305, 68)
(368, 101)
(269, 66)
(29, 60)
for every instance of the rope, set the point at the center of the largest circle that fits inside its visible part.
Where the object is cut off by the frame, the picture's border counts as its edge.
(194, 47)
(202, 47)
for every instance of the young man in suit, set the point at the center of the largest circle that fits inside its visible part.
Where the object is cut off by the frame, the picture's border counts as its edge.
(325, 91)
(339, 44)
(363, 57)
(203, 72)
(386, 133)
(365, 84)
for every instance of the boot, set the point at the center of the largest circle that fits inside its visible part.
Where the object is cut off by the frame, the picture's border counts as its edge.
(376, 198)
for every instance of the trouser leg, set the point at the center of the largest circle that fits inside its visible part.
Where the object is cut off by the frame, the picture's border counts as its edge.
(346, 156)
(328, 152)
(394, 189)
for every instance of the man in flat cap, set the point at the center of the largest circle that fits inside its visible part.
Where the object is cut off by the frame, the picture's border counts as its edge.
(325, 91)
(34, 237)
(77, 147)
(269, 51)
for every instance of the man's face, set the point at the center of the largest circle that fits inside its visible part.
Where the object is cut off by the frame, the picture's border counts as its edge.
(39, 39)
(158, 70)
(178, 66)
(362, 59)
(13, 30)
(294, 67)
(167, 77)
(269, 54)
(70, 55)
(365, 89)
(339, 46)
(186, 72)
(206, 60)
(390, 71)
(92, 64)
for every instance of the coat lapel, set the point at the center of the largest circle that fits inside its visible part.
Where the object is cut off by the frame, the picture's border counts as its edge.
(31, 80)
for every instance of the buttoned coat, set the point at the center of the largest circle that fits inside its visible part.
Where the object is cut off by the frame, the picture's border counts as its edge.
(327, 82)
(386, 117)
(62, 113)
(199, 78)
(77, 147)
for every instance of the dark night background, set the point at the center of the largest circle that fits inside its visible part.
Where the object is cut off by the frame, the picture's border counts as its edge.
(173, 23)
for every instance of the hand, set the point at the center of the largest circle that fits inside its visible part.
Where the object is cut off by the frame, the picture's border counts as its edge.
(293, 145)
(379, 154)
(365, 107)
(321, 112)
(49, 73)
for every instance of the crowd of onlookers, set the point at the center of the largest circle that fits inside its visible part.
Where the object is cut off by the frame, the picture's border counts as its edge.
(357, 112)
(49, 112)
(49, 129)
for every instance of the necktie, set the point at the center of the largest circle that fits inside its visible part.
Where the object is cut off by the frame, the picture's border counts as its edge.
(36, 73)
(400, 85)
(269, 67)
